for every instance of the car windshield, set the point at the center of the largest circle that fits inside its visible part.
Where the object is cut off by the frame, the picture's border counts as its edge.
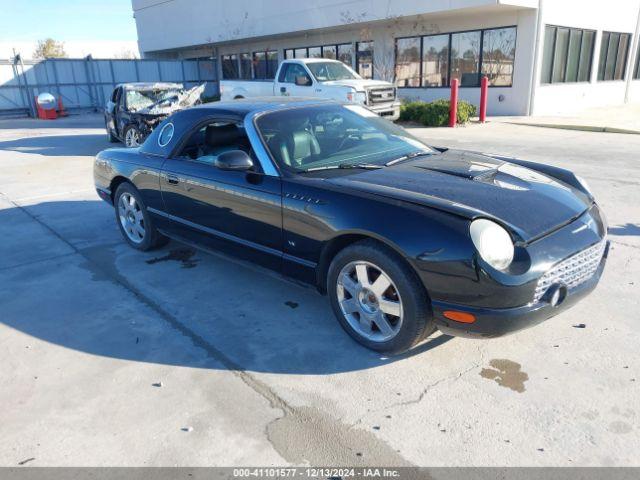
(139, 99)
(335, 136)
(328, 71)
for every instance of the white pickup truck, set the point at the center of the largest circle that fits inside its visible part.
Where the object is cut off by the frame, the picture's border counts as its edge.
(323, 78)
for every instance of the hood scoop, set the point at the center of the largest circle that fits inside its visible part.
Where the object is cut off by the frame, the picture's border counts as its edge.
(461, 164)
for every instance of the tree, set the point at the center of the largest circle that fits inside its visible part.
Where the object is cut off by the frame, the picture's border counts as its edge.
(125, 54)
(49, 48)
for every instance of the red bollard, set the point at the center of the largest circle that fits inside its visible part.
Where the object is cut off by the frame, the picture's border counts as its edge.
(453, 107)
(484, 93)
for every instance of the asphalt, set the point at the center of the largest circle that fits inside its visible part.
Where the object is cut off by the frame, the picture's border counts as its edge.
(114, 357)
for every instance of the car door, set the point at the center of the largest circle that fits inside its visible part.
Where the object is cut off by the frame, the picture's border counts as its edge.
(110, 110)
(239, 212)
(291, 78)
(121, 116)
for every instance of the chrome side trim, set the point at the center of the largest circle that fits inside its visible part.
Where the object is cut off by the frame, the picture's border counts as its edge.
(233, 238)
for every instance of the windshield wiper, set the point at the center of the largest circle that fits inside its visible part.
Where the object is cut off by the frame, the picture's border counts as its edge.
(366, 166)
(408, 156)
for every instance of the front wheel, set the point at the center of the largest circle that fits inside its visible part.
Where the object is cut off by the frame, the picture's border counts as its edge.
(132, 137)
(134, 221)
(378, 299)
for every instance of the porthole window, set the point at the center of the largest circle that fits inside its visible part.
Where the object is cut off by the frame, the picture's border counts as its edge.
(166, 134)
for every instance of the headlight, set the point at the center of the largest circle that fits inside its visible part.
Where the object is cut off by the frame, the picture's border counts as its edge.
(357, 97)
(492, 242)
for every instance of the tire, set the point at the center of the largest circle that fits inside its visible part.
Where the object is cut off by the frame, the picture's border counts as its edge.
(110, 136)
(132, 137)
(143, 237)
(409, 318)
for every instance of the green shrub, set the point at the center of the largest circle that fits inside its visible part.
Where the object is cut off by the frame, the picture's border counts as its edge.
(435, 114)
(411, 111)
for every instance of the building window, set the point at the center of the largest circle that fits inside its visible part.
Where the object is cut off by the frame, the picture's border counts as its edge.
(272, 63)
(499, 55)
(614, 51)
(245, 66)
(364, 59)
(408, 62)
(260, 65)
(636, 75)
(568, 54)
(345, 53)
(464, 55)
(314, 52)
(265, 65)
(435, 61)
(230, 67)
(329, 51)
(465, 58)
(342, 52)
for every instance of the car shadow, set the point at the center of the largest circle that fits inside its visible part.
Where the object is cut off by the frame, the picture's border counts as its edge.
(59, 145)
(76, 284)
(627, 230)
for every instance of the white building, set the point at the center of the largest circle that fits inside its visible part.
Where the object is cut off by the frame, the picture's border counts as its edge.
(541, 56)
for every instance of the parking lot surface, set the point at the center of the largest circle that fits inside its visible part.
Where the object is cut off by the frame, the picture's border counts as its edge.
(110, 356)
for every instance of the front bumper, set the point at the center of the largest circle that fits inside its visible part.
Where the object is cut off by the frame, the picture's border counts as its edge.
(389, 111)
(496, 322)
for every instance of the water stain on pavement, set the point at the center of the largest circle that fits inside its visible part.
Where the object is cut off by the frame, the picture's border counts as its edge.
(183, 255)
(308, 435)
(506, 374)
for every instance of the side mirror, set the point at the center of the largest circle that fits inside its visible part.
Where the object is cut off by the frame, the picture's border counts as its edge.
(234, 160)
(303, 81)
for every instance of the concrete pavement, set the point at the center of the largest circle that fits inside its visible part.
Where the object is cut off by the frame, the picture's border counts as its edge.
(255, 370)
(620, 119)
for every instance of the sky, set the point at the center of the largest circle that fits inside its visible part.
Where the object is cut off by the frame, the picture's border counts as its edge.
(102, 28)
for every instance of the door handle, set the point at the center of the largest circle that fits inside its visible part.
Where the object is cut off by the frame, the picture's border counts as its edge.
(172, 179)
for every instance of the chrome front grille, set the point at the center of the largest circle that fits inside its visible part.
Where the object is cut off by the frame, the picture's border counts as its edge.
(380, 95)
(573, 271)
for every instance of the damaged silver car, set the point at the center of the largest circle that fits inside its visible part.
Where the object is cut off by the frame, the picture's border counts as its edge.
(135, 109)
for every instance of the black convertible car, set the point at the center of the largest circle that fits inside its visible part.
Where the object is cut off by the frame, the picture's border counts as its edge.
(403, 237)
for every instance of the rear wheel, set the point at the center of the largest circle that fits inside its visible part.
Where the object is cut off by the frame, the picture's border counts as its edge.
(135, 223)
(378, 299)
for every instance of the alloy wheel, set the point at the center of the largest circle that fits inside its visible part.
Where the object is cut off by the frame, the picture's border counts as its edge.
(369, 301)
(132, 138)
(131, 218)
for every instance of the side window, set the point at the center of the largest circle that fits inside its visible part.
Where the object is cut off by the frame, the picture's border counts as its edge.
(283, 72)
(115, 95)
(295, 70)
(214, 138)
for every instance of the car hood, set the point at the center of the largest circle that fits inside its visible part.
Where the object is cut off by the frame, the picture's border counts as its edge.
(359, 85)
(473, 185)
